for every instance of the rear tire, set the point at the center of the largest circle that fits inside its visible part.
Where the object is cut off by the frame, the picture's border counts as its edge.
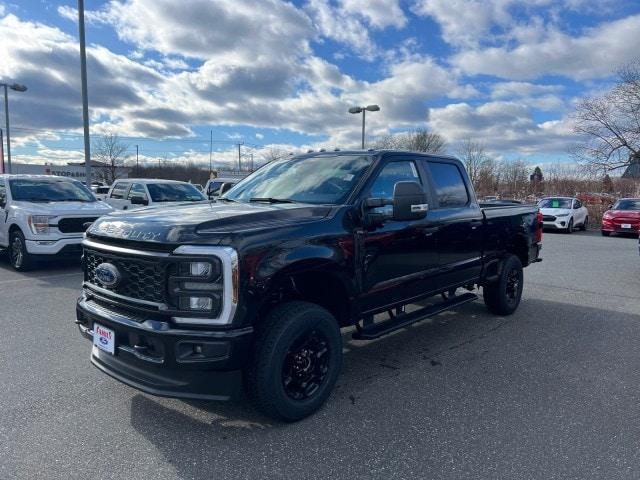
(297, 360)
(605, 233)
(20, 259)
(502, 297)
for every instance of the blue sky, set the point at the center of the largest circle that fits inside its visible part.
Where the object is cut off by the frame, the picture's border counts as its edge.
(280, 76)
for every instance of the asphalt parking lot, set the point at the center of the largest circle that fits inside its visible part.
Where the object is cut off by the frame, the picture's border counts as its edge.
(550, 392)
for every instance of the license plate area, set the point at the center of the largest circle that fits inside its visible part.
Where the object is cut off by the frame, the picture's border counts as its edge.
(626, 225)
(104, 338)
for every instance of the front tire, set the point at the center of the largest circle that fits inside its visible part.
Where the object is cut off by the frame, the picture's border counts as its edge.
(297, 360)
(570, 226)
(502, 297)
(20, 259)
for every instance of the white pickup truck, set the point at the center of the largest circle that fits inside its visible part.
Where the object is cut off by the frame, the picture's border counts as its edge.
(130, 193)
(44, 215)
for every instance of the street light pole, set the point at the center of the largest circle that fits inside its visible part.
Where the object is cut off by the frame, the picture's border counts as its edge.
(210, 152)
(85, 100)
(371, 108)
(1, 153)
(18, 88)
(137, 167)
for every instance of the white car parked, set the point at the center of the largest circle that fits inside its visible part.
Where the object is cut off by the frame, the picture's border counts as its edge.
(214, 187)
(563, 213)
(44, 215)
(130, 193)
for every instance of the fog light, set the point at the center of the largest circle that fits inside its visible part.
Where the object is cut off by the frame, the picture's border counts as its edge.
(196, 303)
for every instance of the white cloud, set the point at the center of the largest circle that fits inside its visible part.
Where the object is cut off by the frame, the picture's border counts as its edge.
(596, 53)
(379, 13)
(502, 126)
(259, 136)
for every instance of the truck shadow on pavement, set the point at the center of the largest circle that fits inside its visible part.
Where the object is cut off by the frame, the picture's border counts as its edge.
(467, 345)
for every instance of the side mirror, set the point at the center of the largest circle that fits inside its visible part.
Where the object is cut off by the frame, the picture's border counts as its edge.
(139, 201)
(409, 201)
(224, 188)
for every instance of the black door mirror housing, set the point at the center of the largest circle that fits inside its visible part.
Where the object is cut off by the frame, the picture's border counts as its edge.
(409, 201)
(139, 201)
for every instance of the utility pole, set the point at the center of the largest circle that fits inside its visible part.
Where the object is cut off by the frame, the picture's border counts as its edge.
(6, 116)
(85, 100)
(239, 158)
(137, 165)
(210, 152)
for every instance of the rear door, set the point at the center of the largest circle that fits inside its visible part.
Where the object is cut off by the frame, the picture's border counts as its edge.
(456, 210)
(399, 257)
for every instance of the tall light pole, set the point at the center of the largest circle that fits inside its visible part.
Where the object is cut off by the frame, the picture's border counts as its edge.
(371, 108)
(18, 88)
(85, 100)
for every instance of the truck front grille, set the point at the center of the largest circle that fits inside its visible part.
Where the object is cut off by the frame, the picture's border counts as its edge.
(549, 218)
(144, 280)
(75, 224)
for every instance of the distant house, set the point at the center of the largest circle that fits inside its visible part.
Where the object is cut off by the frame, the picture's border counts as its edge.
(633, 170)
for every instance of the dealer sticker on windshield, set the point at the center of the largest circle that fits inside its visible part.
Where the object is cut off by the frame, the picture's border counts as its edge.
(104, 338)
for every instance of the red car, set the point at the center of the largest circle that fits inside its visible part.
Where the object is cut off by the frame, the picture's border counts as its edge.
(624, 217)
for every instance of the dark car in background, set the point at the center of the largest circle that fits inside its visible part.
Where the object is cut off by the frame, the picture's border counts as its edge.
(623, 217)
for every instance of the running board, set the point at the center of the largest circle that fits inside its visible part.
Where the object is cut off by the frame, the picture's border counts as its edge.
(376, 330)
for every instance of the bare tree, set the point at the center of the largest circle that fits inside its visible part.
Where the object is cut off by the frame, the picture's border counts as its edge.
(418, 140)
(274, 153)
(109, 151)
(610, 124)
(473, 156)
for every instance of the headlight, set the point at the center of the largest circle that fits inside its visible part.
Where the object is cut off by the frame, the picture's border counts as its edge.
(39, 224)
(198, 269)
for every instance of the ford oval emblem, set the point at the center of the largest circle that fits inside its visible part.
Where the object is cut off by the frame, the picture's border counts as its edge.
(107, 274)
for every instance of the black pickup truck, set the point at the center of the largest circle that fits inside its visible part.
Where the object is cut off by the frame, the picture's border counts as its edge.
(194, 301)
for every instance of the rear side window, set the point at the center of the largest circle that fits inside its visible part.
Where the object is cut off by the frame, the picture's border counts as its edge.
(119, 189)
(3, 192)
(449, 184)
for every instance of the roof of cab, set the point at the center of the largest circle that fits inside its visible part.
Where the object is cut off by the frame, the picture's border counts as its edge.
(149, 180)
(36, 177)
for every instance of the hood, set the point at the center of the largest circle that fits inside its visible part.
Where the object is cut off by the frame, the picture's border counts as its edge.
(555, 211)
(64, 208)
(188, 223)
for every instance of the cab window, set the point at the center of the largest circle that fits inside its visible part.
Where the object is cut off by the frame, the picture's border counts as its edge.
(451, 191)
(119, 190)
(392, 173)
(137, 190)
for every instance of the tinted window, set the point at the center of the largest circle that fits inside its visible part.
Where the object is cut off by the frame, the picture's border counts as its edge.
(214, 188)
(627, 205)
(44, 190)
(137, 190)
(174, 192)
(450, 189)
(3, 193)
(577, 204)
(391, 174)
(119, 189)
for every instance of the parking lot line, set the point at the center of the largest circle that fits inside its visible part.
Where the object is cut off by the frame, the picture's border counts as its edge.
(18, 280)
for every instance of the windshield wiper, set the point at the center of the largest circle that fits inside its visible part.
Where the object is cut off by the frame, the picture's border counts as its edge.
(226, 199)
(270, 200)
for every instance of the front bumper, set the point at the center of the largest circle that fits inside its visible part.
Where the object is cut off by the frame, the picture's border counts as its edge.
(62, 246)
(559, 224)
(153, 356)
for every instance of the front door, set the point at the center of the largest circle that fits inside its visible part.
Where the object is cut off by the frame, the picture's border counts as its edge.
(398, 256)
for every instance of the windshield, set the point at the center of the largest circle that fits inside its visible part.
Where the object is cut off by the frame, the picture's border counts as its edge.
(318, 180)
(555, 203)
(627, 205)
(43, 190)
(174, 192)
